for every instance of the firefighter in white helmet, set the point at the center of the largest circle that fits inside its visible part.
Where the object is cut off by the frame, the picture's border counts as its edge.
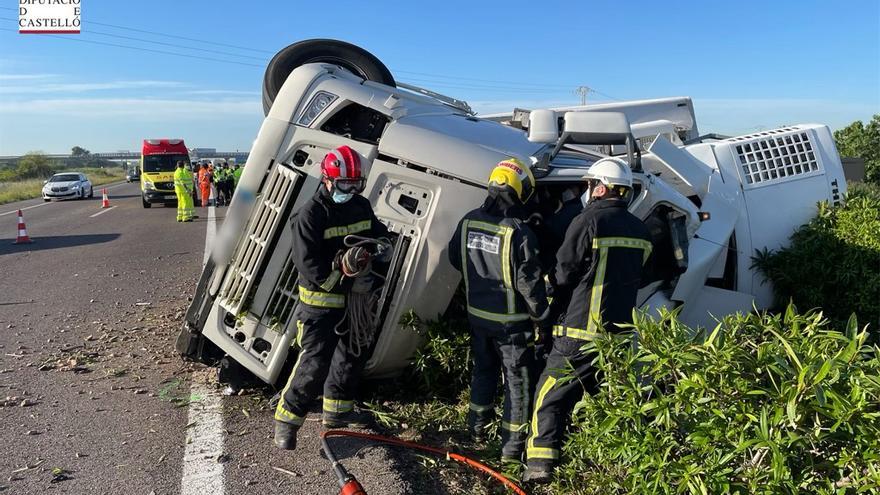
(497, 254)
(598, 272)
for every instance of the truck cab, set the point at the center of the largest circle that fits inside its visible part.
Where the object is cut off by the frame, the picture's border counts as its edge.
(159, 159)
(427, 159)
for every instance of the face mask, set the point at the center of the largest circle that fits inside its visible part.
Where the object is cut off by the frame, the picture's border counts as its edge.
(585, 197)
(340, 197)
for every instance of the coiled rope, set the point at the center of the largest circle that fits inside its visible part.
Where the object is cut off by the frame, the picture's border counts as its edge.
(361, 320)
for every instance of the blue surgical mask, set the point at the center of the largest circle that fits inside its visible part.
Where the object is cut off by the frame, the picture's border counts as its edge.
(339, 197)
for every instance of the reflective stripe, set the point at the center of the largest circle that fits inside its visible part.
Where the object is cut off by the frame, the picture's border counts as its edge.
(541, 453)
(505, 269)
(502, 318)
(321, 299)
(575, 333)
(533, 452)
(338, 405)
(630, 242)
(345, 230)
(282, 414)
(478, 408)
(331, 281)
(300, 329)
(488, 227)
(596, 293)
(515, 427)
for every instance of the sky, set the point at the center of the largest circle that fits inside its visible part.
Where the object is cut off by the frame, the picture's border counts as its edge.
(193, 69)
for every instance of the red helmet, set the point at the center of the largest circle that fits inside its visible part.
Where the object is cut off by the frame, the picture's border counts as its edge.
(342, 166)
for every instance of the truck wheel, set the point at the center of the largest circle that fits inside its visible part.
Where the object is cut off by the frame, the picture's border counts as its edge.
(146, 203)
(350, 57)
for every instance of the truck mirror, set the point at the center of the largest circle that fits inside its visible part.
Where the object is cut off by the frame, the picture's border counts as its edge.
(543, 126)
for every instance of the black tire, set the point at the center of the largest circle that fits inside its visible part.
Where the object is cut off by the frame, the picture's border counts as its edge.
(146, 203)
(350, 57)
(91, 192)
(46, 200)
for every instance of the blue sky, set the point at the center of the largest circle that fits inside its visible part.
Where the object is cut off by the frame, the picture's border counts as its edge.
(748, 64)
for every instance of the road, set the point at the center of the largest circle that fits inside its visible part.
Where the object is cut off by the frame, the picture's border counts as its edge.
(93, 397)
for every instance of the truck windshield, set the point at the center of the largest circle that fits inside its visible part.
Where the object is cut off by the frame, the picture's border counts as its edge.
(163, 163)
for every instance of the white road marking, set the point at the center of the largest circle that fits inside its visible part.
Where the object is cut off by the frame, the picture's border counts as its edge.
(102, 211)
(22, 209)
(202, 470)
(202, 473)
(210, 234)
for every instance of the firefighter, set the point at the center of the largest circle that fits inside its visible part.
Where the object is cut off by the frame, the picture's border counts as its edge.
(183, 186)
(326, 362)
(497, 254)
(598, 272)
(205, 184)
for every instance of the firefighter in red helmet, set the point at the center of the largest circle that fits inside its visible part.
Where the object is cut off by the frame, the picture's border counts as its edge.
(326, 365)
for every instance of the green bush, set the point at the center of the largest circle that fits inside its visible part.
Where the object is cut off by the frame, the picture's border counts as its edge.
(762, 404)
(833, 262)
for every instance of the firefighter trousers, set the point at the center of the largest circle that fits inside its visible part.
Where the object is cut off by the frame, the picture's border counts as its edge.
(567, 375)
(325, 364)
(500, 350)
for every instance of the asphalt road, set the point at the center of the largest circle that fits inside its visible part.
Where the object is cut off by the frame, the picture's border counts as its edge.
(93, 398)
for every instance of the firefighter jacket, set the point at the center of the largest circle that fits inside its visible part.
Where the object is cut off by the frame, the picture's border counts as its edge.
(497, 254)
(599, 268)
(319, 230)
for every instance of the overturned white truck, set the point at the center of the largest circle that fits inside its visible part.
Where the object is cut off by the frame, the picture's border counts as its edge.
(713, 200)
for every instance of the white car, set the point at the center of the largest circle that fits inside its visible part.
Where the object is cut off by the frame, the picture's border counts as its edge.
(711, 201)
(67, 185)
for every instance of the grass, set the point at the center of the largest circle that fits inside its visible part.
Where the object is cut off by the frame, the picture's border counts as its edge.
(30, 188)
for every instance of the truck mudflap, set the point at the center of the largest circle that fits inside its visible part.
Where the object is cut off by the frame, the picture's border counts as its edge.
(191, 344)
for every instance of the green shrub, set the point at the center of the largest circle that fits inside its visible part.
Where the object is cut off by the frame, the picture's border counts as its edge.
(763, 404)
(833, 262)
(441, 367)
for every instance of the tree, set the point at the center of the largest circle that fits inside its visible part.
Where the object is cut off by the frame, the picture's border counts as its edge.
(862, 141)
(77, 151)
(34, 165)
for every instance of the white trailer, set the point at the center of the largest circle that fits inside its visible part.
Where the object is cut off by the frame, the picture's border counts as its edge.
(428, 157)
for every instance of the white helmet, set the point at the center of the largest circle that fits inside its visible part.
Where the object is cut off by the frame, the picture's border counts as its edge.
(611, 172)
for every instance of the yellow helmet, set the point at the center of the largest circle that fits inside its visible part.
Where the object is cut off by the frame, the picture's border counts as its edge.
(511, 172)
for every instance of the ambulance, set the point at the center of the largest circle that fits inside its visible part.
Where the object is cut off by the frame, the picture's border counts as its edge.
(159, 158)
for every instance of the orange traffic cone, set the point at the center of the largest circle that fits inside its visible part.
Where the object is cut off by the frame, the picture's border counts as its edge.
(22, 237)
(105, 203)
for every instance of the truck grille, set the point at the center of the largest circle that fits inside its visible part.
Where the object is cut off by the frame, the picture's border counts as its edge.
(775, 155)
(252, 249)
(284, 297)
(163, 185)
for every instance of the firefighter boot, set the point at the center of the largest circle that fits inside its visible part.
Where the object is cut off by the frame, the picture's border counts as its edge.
(349, 419)
(538, 474)
(478, 425)
(285, 435)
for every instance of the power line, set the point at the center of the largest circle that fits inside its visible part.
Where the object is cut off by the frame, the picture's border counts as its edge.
(163, 52)
(440, 80)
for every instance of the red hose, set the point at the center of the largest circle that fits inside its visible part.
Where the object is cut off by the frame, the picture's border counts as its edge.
(479, 466)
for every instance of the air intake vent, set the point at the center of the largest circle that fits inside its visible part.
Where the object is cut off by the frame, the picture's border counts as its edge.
(260, 229)
(775, 155)
(284, 297)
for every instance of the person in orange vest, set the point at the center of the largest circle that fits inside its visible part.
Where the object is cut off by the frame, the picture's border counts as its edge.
(204, 184)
